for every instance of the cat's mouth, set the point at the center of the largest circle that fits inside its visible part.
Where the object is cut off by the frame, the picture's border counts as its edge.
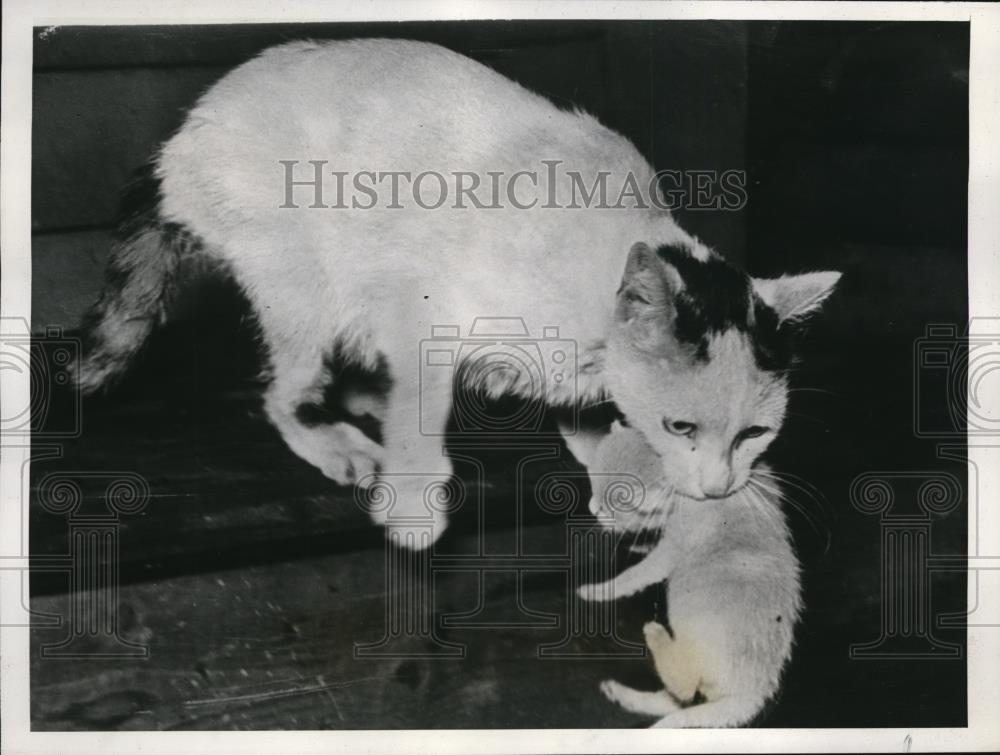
(707, 497)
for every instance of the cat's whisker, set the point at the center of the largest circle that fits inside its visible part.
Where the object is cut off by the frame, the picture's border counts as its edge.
(817, 524)
(652, 517)
(805, 487)
(756, 494)
(809, 417)
(635, 537)
(647, 517)
(596, 404)
(604, 427)
(813, 390)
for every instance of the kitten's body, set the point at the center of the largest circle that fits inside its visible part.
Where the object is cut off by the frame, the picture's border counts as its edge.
(733, 598)
(369, 284)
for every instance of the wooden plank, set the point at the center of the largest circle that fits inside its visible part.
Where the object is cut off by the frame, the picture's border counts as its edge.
(66, 274)
(90, 130)
(274, 647)
(79, 47)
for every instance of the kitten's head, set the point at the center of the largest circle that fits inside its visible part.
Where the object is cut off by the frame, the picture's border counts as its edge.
(627, 479)
(698, 357)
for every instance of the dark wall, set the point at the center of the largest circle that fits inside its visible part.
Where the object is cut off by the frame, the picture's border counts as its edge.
(859, 160)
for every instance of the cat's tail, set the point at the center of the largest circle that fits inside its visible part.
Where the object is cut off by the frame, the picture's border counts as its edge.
(723, 712)
(139, 282)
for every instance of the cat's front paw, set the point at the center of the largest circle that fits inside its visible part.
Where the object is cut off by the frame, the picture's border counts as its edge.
(417, 534)
(343, 453)
(613, 691)
(412, 507)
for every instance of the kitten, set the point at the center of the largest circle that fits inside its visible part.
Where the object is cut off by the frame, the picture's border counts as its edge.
(690, 348)
(733, 594)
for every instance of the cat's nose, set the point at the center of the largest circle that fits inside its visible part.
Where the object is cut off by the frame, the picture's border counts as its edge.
(717, 484)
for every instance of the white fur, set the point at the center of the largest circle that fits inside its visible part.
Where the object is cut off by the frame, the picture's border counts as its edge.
(375, 281)
(378, 280)
(733, 598)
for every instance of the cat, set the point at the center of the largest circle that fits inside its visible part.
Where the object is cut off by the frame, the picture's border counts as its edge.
(733, 589)
(693, 351)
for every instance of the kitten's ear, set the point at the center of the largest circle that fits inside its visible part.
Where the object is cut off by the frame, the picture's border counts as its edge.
(795, 297)
(648, 285)
(583, 445)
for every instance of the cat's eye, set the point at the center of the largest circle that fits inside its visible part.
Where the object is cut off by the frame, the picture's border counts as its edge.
(754, 431)
(676, 427)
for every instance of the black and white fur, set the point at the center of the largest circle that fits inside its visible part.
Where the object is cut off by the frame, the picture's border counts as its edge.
(661, 323)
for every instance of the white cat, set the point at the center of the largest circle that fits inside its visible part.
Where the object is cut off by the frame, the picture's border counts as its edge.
(733, 591)
(691, 350)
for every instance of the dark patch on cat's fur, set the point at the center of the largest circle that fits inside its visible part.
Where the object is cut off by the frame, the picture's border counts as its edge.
(139, 207)
(140, 279)
(139, 211)
(313, 414)
(718, 297)
(345, 376)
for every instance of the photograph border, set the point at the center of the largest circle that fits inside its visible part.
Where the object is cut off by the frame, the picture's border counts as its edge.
(19, 19)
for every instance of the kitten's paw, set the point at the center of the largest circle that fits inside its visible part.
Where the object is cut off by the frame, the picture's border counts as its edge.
(412, 507)
(596, 592)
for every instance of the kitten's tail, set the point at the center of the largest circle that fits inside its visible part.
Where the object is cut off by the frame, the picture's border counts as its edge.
(139, 282)
(723, 712)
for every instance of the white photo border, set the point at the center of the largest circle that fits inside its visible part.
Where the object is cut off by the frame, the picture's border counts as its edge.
(983, 652)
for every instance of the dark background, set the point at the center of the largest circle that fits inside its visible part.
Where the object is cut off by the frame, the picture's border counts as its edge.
(250, 575)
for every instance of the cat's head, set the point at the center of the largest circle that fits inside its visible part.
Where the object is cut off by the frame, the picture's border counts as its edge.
(698, 360)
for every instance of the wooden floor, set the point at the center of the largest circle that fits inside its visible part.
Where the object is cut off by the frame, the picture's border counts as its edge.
(261, 591)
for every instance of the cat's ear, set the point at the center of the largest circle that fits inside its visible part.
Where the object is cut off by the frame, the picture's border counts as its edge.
(648, 285)
(795, 297)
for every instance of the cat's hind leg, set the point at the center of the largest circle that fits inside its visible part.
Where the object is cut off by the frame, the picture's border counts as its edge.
(723, 712)
(638, 701)
(339, 450)
(680, 664)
